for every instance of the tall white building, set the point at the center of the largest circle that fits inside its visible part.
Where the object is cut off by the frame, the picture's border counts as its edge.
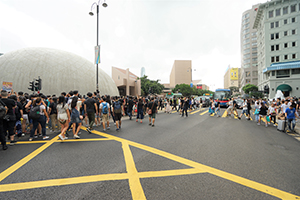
(278, 37)
(248, 73)
(143, 72)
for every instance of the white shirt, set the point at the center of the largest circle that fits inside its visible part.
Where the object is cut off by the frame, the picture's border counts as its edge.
(284, 107)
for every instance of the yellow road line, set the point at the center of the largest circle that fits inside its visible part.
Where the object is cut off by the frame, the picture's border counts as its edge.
(234, 178)
(194, 112)
(178, 172)
(25, 160)
(203, 112)
(224, 114)
(63, 181)
(84, 140)
(137, 191)
(30, 142)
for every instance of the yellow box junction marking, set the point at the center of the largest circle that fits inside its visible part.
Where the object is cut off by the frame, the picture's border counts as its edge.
(132, 174)
(203, 112)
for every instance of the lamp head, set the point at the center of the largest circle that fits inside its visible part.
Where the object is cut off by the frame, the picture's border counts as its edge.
(104, 5)
(91, 13)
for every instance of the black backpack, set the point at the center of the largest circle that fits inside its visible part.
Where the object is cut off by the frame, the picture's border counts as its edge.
(34, 113)
(2, 111)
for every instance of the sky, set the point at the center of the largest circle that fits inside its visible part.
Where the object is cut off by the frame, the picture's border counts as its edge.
(133, 33)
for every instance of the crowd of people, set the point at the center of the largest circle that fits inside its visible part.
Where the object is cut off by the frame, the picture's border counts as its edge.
(21, 113)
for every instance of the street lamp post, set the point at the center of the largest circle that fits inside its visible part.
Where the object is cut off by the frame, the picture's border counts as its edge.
(91, 13)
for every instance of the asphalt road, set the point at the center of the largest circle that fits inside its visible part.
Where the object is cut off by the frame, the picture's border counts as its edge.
(198, 157)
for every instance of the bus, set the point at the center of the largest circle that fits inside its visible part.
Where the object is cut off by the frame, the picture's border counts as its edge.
(223, 95)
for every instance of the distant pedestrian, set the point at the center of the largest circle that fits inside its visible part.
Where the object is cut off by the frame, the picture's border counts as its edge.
(152, 110)
(140, 110)
(105, 111)
(118, 111)
(90, 108)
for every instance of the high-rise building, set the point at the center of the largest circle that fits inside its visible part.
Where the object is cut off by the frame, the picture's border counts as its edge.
(181, 73)
(143, 72)
(248, 38)
(278, 28)
(231, 78)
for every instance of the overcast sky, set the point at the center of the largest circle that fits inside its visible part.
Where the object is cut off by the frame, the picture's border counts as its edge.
(133, 33)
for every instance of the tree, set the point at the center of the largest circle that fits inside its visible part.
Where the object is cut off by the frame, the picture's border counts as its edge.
(249, 88)
(150, 86)
(256, 94)
(186, 90)
(233, 89)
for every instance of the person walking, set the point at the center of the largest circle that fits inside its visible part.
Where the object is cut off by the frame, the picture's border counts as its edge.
(2, 136)
(118, 111)
(105, 111)
(152, 110)
(168, 107)
(41, 119)
(218, 108)
(245, 110)
(185, 106)
(140, 111)
(263, 113)
(290, 114)
(75, 118)
(90, 108)
(63, 116)
(272, 112)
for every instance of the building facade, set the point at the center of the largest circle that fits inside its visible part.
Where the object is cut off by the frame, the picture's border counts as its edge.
(248, 37)
(231, 78)
(181, 73)
(278, 25)
(127, 82)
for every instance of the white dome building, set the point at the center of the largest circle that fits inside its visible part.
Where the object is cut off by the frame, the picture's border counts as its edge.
(60, 71)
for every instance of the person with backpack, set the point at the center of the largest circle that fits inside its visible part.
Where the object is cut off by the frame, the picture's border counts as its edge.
(75, 117)
(117, 112)
(152, 110)
(140, 111)
(105, 111)
(3, 111)
(53, 114)
(37, 114)
(90, 108)
(63, 116)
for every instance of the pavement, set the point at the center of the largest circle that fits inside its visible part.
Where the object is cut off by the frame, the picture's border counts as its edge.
(195, 157)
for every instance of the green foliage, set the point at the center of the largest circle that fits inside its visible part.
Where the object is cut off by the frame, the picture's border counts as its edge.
(186, 90)
(256, 94)
(249, 88)
(234, 89)
(150, 86)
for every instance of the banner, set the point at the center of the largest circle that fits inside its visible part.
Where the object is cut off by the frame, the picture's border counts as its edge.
(234, 74)
(97, 54)
(199, 87)
(7, 86)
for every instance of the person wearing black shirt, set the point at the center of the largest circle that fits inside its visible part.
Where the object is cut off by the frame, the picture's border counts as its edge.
(152, 105)
(9, 123)
(129, 107)
(90, 107)
(218, 108)
(186, 105)
(53, 114)
(140, 111)
(2, 136)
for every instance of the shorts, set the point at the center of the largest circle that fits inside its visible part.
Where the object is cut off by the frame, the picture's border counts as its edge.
(229, 110)
(245, 111)
(62, 121)
(25, 116)
(97, 116)
(104, 118)
(118, 116)
(153, 115)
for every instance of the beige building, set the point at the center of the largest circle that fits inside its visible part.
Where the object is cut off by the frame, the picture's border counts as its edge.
(181, 73)
(127, 82)
(232, 78)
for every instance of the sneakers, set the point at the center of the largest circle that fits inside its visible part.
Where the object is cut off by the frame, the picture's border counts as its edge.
(117, 129)
(13, 142)
(152, 125)
(104, 129)
(35, 136)
(274, 124)
(288, 131)
(266, 125)
(61, 137)
(258, 124)
(4, 147)
(108, 128)
(137, 120)
(46, 137)
(76, 137)
(88, 130)
(30, 139)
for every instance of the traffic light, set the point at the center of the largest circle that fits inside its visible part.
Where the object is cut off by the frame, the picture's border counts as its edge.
(31, 86)
(266, 89)
(38, 84)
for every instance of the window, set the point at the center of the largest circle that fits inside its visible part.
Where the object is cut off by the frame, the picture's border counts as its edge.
(247, 56)
(255, 73)
(246, 31)
(276, 35)
(254, 33)
(278, 12)
(272, 59)
(283, 73)
(246, 51)
(254, 49)
(295, 71)
(293, 8)
(293, 56)
(248, 74)
(285, 33)
(273, 73)
(247, 66)
(254, 38)
(246, 41)
(246, 46)
(254, 59)
(286, 57)
(277, 47)
(272, 25)
(246, 36)
(246, 16)
(285, 21)
(271, 13)
(293, 44)
(294, 32)
(285, 10)
(246, 21)
(285, 45)
(248, 81)
(277, 58)
(277, 24)
(272, 48)
(247, 61)
(246, 25)
(293, 20)
(254, 54)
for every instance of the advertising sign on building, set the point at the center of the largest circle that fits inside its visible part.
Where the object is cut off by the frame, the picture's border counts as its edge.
(199, 87)
(234, 74)
(7, 86)
(97, 54)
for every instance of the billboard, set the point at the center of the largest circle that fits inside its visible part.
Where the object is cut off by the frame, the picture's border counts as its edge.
(234, 74)
(7, 86)
(199, 87)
